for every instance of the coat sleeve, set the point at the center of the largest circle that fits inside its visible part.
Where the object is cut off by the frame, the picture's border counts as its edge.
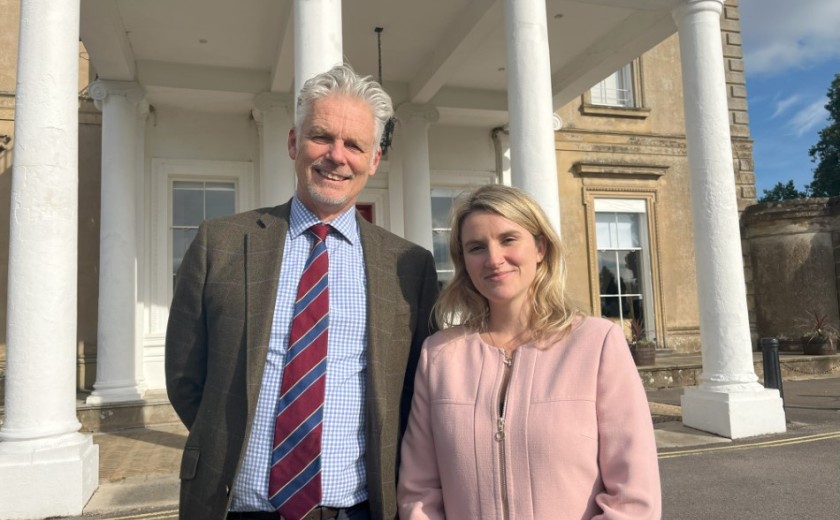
(419, 494)
(186, 333)
(627, 446)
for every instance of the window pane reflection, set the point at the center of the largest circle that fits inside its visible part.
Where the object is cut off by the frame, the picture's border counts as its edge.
(621, 244)
(441, 206)
(220, 203)
(608, 273)
(187, 207)
(440, 211)
(192, 203)
(181, 240)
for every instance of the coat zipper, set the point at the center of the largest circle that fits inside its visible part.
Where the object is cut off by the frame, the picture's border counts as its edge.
(500, 430)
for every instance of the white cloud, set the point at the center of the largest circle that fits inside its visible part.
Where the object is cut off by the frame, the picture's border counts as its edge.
(784, 104)
(780, 35)
(809, 118)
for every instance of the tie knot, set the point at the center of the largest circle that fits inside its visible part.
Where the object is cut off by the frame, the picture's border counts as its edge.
(320, 231)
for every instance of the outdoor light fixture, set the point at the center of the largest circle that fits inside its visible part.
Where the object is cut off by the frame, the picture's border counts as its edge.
(388, 132)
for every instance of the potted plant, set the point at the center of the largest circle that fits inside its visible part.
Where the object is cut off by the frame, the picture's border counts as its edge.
(642, 348)
(820, 338)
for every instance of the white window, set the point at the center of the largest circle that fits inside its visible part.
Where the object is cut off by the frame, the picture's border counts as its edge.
(624, 280)
(446, 186)
(441, 206)
(192, 203)
(185, 192)
(616, 90)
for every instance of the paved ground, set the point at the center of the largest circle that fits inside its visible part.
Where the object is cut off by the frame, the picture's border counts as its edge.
(704, 476)
(773, 477)
(796, 476)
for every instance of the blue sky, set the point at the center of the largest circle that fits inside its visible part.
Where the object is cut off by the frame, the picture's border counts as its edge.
(791, 54)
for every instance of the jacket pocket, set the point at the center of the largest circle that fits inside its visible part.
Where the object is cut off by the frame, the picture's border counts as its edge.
(189, 463)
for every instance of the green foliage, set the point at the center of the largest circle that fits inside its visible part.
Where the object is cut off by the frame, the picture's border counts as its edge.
(782, 192)
(826, 153)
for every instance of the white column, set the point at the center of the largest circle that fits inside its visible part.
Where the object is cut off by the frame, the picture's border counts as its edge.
(119, 357)
(417, 178)
(147, 360)
(728, 401)
(318, 38)
(532, 154)
(47, 468)
(273, 113)
(396, 206)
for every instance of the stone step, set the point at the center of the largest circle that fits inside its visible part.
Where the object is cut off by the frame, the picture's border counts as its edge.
(681, 370)
(153, 410)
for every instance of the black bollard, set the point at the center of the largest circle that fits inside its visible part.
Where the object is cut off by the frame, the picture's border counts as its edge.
(772, 370)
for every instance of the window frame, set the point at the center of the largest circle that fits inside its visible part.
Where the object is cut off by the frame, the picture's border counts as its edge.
(638, 110)
(459, 180)
(647, 197)
(624, 78)
(164, 173)
(172, 227)
(611, 206)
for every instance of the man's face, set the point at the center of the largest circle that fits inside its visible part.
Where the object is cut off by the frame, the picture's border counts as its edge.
(334, 155)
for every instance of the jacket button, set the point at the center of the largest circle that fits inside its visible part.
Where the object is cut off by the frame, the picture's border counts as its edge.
(227, 490)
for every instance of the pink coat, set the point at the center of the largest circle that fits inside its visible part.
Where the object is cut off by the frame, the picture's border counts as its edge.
(577, 438)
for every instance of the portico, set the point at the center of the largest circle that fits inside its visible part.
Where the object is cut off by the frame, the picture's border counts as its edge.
(195, 118)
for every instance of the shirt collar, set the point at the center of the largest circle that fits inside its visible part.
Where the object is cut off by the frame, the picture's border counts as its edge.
(302, 219)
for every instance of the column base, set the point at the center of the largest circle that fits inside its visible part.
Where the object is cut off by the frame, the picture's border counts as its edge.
(734, 414)
(115, 395)
(47, 477)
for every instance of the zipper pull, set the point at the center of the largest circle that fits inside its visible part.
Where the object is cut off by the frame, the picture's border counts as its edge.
(508, 361)
(500, 429)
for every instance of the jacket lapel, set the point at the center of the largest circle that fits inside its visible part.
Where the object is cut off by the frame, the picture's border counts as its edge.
(263, 257)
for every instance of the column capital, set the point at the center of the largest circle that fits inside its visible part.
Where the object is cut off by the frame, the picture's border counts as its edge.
(271, 101)
(417, 110)
(687, 7)
(100, 89)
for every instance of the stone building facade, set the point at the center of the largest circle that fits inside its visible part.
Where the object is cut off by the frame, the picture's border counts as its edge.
(638, 153)
(638, 180)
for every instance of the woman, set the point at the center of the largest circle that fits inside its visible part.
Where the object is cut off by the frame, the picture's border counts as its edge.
(523, 408)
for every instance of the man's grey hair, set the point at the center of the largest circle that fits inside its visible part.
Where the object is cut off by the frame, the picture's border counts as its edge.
(342, 80)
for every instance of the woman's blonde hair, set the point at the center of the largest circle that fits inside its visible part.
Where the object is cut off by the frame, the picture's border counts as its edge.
(460, 303)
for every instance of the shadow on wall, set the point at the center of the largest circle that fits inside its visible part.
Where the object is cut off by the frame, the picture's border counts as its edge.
(792, 245)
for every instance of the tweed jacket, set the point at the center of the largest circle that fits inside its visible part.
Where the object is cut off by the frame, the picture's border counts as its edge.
(576, 441)
(217, 342)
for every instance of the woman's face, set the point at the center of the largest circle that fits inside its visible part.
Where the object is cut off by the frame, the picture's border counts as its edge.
(501, 258)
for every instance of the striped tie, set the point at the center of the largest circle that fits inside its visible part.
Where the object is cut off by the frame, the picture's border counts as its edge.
(294, 485)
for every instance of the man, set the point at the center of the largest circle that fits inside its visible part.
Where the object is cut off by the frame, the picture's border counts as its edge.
(232, 317)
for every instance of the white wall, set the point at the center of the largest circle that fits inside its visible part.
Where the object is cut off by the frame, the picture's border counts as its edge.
(212, 143)
(461, 148)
